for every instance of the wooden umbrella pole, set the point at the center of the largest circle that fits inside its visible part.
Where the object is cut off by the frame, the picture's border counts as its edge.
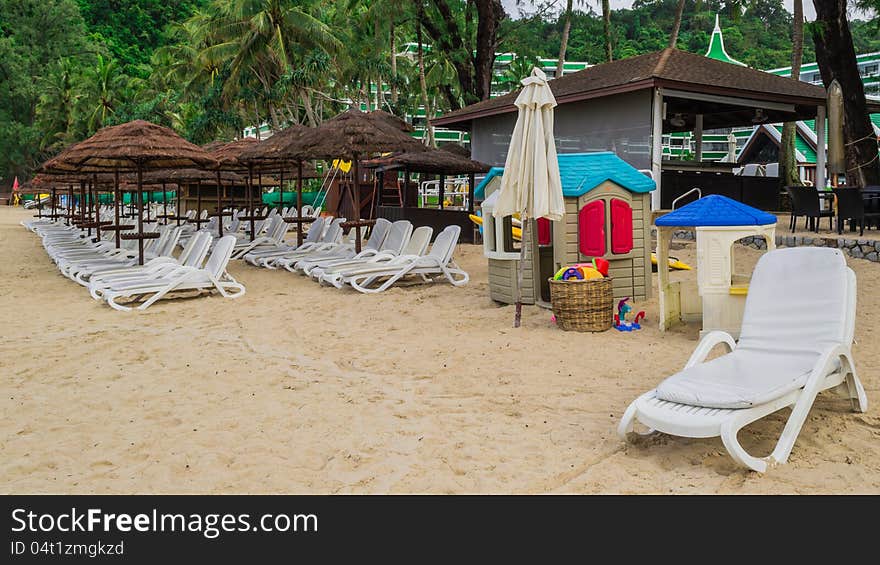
(299, 201)
(356, 187)
(116, 198)
(280, 188)
(517, 317)
(82, 199)
(177, 203)
(219, 208)
(259, 196)
(164, 202)
(97, 206)
(250, 198)
(69, 204)
(140, 199)
(198, 203)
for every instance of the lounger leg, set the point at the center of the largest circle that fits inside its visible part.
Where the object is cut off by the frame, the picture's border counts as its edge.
(627, 423)
(728, 437)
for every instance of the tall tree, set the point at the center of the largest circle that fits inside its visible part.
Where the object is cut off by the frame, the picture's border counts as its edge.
(472, 55)
(787, 158)
(836, 57)
(423, 85)
(606, 26)
(676, 24)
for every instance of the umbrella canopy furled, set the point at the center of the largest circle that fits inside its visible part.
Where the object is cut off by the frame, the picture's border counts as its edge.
(131, 146)
(531, 185)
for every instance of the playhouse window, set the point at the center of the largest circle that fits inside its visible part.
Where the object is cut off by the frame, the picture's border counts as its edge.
(591, 229)
(621, 227)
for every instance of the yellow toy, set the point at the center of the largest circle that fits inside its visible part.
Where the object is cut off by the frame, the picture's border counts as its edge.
(517, 232)
(674, 263)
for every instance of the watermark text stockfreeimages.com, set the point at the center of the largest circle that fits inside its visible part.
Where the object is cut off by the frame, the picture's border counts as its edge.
(210, 525)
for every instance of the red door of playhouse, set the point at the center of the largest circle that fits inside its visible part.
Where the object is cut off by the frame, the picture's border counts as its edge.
(591, 229)
(544, 231)
(621, 227)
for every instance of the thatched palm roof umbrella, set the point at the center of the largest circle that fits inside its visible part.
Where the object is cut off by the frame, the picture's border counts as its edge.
(354, 133)
(227, 154)
(134, 147)
(272, 155)
(391, 120)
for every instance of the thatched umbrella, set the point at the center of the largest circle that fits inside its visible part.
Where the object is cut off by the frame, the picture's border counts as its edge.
(272, 155)
(134, 147)
(354, 133)
(227, 157)
(391, 120)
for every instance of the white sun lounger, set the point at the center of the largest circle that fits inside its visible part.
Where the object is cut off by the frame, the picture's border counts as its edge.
(339, 275)
(274, 236)
(796, 336)
(397, 237)
(438, 262)
(181, 279)
(193, 255)
(314, 235)
(330, 239)
(382, 230)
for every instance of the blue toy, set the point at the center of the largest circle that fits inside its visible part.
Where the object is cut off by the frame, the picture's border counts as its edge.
(620, 323)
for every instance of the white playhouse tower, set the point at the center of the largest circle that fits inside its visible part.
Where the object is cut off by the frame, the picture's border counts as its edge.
(720, 294)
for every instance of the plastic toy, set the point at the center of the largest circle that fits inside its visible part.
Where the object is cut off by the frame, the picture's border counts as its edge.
(620, 322)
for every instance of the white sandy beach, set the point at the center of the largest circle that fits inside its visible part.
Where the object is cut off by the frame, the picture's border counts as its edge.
(300, 389)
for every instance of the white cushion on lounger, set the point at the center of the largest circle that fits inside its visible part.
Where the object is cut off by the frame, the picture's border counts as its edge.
(798, 294)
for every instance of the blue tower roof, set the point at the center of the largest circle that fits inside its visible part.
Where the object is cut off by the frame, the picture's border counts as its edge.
(582, 172)
(716, 210)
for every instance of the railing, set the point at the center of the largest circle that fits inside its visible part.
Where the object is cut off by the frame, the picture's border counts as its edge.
(689, 192)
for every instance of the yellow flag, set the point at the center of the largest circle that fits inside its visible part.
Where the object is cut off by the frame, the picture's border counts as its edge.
(343, 166)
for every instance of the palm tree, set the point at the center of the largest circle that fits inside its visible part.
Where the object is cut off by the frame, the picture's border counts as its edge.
(606, 26)
(676, 24)
(787, 160)
(55, 111)
(105, 88)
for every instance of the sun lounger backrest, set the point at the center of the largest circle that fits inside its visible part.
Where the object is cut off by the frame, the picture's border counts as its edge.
(378, 234)
(398, 236)
(419, 241)
(334, 232)
(190, 246)
(220, 256)
(799, 302)
(444, 245)
(170, 243)
(316, 230)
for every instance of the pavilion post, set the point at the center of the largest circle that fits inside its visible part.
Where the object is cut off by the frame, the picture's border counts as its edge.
(164, 202)
(698, 138)
(299, 201)
(177, 203)
(70, 208)
(280, 188)
(657, 146)
(441, 191)
(82, 200)
(819, 183)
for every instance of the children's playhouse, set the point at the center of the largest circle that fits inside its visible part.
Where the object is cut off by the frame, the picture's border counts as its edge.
(718, 296)
(607, 214)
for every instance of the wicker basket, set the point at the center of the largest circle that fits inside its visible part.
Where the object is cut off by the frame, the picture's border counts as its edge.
(582, 305)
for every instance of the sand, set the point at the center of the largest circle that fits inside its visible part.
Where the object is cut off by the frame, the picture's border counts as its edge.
(300, 389)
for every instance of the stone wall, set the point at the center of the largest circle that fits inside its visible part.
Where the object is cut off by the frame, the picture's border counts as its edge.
(858, 248)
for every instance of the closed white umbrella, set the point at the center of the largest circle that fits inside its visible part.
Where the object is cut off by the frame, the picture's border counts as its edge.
(531, 185)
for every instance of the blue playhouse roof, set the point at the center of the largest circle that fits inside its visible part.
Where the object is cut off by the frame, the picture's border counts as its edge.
(582, 172)
(716, 210)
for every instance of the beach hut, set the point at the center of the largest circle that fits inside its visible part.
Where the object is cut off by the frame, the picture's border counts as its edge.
(720, 294)
(607, 214)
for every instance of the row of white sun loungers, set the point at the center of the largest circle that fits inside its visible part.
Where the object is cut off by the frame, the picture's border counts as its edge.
(395, 253)
(112, 274)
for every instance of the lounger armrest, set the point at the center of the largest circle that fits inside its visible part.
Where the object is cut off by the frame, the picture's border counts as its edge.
(707, 344)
